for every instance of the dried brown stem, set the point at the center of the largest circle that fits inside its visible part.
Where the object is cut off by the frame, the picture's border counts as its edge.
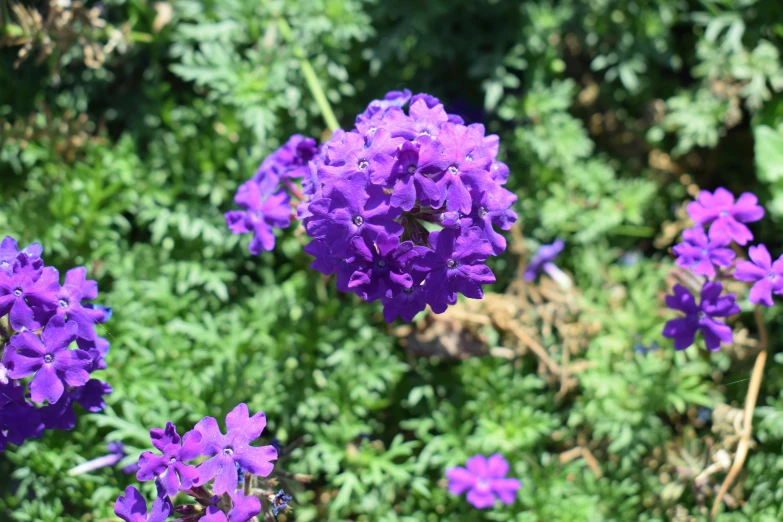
(750, 405)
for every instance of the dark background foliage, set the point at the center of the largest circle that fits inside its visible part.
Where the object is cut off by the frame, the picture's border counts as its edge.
(128, 124)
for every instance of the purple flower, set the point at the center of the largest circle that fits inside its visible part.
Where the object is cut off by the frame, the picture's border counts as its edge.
(407, 302)
(725, 217)
(19, 293)
(700, 254)
(411, 175)
(543, 260)
(485, 481)
(52, 363)
(9, 254)
(700, 316)
(132, 507)
(493, 208)
(98, 348)
(382, 266)
(169, 468)
(359, 160)
(347, 214)
(329, 262)
(264, 211)
(454, 264)
(232, 448)
(466, 167)
(78, 288)
(289, 161)
(766, 275)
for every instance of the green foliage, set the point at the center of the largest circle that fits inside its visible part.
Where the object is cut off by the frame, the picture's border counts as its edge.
(127, 166)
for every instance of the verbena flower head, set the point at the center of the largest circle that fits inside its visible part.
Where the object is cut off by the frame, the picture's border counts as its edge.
(132, 507)
(169, 467)
(766, 276)
(226, 451)
(280, 502)
(700, 317)
(544, 257)
(421, 177)
(701, 254)
(265, 209)
(485, 481)
(726, 217)
(37, 364)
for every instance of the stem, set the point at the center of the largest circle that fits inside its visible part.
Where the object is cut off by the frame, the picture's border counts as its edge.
(750, 405)
(311, 78)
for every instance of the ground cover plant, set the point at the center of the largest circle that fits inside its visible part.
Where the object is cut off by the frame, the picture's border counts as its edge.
(616, 339)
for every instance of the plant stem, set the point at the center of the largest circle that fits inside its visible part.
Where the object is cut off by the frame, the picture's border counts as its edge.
(747, 421)
(311, 78)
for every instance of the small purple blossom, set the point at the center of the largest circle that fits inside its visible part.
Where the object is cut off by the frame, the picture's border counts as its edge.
(701, 254)
(543, 260)
(455, 263)
(280, 502)
(49, 360)
(132, 507)
(9, 254)
(700, 317)
(766, 276)
(225, 451)
(485, 481)
(264, 211)
(20, 293)
(382, 266)
(726, 218)
(169, 467)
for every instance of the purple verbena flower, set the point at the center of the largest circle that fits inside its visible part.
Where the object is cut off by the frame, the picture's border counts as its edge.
(543, 260)
(132, 507)
(725, 217)
(700, 316)
(265, 210)
(407, 302)
(70, 305)
(766, 276)
(701, 254)
(60, 416)
(9, 254)
(169, 467)
(20, 295)
(19, 420)
(49, 360)
(485, 481)
(225, 451)
(454, 264)
(382, 266)
(280, 502)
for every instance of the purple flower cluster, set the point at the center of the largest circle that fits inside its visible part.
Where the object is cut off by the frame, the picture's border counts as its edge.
(228, 457)
(403, 208)
(267, 204)
(39, 321)
(709, 254)
(485, 481)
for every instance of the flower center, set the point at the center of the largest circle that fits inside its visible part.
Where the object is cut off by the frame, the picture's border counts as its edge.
(701, 315)
(228, 451)
(482, 212)
(408, 290)
(772, 276)
(363, 164)
(705, 252)
(453, 170)
(48, 358)
(18, 292)
(381, 263)
(482, 484)
(63, 303)
(411, 169)
(172, 460)
(451, 263)
(4, 264)
(468, 158)
(724, 214)
(358, 220)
